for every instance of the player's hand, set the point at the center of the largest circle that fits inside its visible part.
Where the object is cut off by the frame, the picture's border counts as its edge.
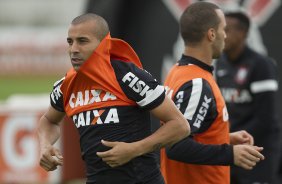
(50, 158)
(241, 137)
(247, 156)
(119, 154)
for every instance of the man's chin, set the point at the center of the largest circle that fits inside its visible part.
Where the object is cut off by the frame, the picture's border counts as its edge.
(76, 67)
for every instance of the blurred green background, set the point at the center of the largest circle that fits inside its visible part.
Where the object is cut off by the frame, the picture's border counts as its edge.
(10, 85)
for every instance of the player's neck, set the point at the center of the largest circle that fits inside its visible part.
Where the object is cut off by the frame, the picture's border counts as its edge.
(199, 53)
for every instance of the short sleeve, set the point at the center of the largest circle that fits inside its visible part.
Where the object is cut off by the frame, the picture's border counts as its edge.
(56, 96)
(138, 85)
(196, 101)
(264, 76)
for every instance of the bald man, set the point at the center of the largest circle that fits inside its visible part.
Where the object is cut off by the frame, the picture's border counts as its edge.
(109, 97)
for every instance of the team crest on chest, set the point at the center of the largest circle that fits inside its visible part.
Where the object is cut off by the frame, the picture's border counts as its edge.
(241, 75)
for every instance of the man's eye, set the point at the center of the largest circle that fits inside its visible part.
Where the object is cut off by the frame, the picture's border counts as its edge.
(69, 42)
(82, 41)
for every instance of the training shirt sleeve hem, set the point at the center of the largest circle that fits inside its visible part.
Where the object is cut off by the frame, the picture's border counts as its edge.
(56, 107)
(159, 100)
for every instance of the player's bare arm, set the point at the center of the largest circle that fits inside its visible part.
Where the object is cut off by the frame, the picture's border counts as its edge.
(241, 137)
(48, 133)
(247, 156)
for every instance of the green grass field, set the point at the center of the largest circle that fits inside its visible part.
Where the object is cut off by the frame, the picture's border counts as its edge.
(10, 85)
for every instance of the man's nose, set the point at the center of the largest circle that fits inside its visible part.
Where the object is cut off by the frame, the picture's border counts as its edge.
(225, 35)
(74, 47)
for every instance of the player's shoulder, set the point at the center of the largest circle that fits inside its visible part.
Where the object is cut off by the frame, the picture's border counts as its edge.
(125, 69)
(263, 63)
(58, 82)
(260, 58)
(122, 67)
(199, 84)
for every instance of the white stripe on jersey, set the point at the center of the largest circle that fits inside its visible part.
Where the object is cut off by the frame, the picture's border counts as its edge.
(57, 82)
(153, 95)
(194, 99)
(264, 85)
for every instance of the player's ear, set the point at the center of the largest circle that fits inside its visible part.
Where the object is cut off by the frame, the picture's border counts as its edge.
(211, 34)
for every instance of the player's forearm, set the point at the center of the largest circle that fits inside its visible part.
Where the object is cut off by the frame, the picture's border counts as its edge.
(190, 151)
(48, 132)
(168, 134)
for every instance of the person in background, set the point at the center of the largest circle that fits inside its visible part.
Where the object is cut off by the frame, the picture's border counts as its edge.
(248, 83)
(203, 157)
(109, 97)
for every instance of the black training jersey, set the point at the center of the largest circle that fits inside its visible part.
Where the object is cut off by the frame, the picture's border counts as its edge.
(249, 87)
(116, 123)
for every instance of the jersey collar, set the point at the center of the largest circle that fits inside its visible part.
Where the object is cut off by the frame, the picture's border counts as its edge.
(186, 60)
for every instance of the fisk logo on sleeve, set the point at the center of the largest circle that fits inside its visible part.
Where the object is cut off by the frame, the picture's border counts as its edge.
(136, 84)
(202, 112)
(56, 94)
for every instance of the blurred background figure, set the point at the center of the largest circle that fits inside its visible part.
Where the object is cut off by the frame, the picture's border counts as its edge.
(249, 83)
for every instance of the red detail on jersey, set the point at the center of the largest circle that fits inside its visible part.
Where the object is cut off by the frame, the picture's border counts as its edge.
(96, 118)
(241, 75)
